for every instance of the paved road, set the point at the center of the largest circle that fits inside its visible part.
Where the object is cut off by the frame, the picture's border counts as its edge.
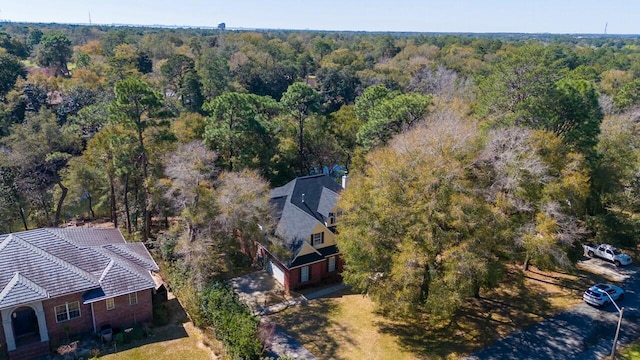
(281, 343)
(583, 333)
(253, 289)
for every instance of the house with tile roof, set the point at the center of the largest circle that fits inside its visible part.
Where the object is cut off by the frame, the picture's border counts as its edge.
(304, 252)
(60, 281)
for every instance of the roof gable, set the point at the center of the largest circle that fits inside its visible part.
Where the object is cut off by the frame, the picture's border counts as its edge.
(300, 205)
(21, 290)
(136, 253)
(45, 263)
(47, 271)
(112, 284)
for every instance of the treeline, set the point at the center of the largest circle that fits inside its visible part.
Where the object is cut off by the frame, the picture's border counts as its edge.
(488, 149)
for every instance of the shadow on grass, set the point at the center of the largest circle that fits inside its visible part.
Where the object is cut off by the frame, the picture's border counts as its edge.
(495, 315)
(574, 280)
(310, 322)
(480, 323)
(173, 330)
(522, 300)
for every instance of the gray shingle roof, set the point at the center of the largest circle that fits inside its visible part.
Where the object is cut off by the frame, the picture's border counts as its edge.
(306, 259)
(21, 290)
(299, 206)
(328, 200)
(47, 263)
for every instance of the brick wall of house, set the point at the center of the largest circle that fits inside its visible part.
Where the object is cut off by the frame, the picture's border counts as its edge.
(292, 279)
(287, 281)
(124, 315)
(58, 330)
(319, 274)
(332, 276)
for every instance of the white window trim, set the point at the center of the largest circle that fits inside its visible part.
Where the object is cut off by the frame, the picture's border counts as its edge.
(110, 303)
(332, 260)
(321, 239)
(302, 272)
(133, 298)
(66, 312)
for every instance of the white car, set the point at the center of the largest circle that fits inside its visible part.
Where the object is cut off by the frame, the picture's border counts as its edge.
(607, 252)
(597, 294)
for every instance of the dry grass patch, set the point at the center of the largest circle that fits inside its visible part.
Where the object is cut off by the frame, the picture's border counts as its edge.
(341, 326)
(346, 325)
(179, 339)
(175, 341)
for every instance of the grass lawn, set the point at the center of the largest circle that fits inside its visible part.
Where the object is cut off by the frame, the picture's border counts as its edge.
(341, 326)
(179, 339)
(163, 345)
(631, 352)
(346, 325)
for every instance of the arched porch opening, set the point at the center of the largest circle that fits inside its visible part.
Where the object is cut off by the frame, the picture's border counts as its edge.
(24, 322)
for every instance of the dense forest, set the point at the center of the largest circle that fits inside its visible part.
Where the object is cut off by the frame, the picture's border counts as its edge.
(465, 152)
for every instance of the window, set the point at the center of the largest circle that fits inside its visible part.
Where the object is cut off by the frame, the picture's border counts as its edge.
(332, 219)
(67, 311)
(304, 274)
(331, 265)
(133, 298)
(317, 239)
(110, 304)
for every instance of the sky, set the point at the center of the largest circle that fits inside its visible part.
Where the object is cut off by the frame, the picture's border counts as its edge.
(481, 16)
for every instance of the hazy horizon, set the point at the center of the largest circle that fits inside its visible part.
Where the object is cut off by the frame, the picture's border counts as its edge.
(231, 28)
(464, 16)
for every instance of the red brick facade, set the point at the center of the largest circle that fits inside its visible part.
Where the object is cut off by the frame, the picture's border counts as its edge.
(124, 314)
(318, 273)
(58, 330)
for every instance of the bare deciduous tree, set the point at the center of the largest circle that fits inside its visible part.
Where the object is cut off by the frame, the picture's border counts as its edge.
(191, 171)
(513, 159)
(441, 82)
(187, 168)
(243, 200)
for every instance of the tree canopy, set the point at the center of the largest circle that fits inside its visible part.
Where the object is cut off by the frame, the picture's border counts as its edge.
(468, 153)
(428, 222)
(54, 50)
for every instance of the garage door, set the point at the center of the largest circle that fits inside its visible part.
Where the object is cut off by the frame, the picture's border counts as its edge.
(275, 271)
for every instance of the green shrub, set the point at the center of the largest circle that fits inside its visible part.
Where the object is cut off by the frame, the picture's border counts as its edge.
(232, 320)
(137, 333)
(119, 338)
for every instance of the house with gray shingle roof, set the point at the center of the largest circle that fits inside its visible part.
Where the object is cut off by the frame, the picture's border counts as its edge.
(60, 281)
(306, 214)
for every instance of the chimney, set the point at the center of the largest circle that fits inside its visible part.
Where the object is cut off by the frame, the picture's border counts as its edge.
(345, 180)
